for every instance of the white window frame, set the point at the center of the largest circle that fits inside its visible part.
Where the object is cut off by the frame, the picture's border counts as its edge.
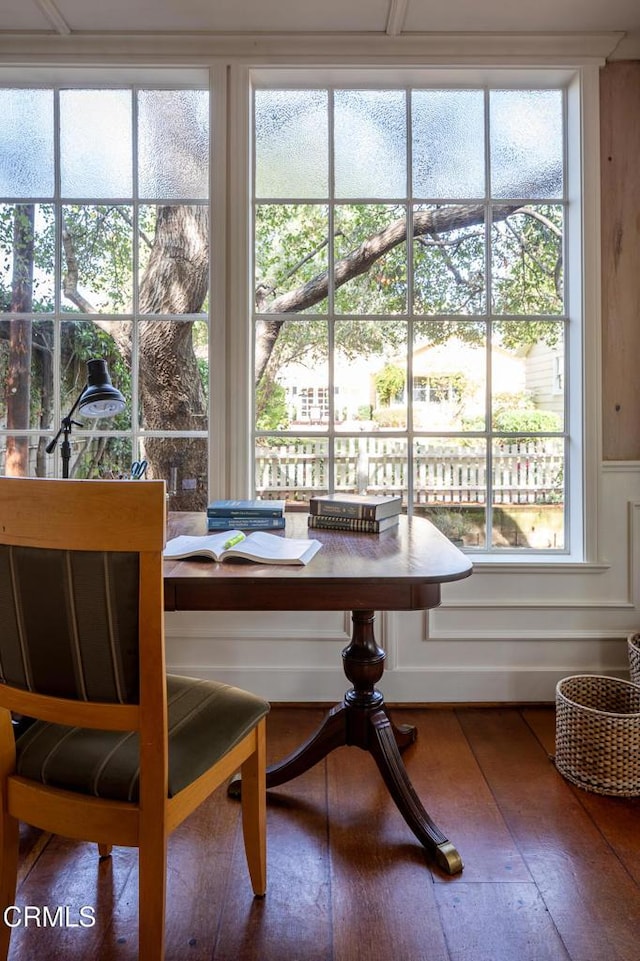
(130, 79)
(232, 66)
(582, 252)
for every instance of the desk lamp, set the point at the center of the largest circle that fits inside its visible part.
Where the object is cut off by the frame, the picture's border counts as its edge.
(99, 398)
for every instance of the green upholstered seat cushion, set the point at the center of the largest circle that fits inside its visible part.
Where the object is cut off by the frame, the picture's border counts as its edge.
(206, 719)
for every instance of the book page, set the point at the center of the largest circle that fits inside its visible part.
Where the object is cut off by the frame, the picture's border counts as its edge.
(208, 545)
(271, 549)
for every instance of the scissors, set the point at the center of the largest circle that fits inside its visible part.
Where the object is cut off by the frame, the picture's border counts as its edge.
(138, 469)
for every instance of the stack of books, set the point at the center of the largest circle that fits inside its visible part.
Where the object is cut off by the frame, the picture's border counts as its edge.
(368, 513)
(253, 515)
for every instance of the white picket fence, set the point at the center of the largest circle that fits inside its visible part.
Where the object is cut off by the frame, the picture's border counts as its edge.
(524, 473)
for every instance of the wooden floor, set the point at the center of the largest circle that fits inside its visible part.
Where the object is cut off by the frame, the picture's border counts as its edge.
(551, 872)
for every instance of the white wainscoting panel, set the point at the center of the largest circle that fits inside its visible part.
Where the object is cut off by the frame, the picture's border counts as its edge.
(505, 634)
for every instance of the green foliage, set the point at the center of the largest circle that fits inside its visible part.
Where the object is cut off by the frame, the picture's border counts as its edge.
(390, 416)
(290, 249)
(43, 255)
(449, 271)
(102, 237)
(389, 383)
(455, 523)
(271, 406)
(525, 422)
(517, 414)
(515, 334)
(383, 288)
(527, 262)
(99, 273)
(436, 331)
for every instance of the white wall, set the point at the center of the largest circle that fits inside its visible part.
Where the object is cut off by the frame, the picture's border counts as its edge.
(504, 634)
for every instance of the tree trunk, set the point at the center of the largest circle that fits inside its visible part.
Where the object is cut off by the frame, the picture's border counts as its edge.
(18, 386)
(171, 392)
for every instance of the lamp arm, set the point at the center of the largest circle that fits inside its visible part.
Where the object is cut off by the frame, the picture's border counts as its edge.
(65, 424)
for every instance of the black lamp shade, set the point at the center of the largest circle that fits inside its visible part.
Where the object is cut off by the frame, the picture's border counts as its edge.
(100, 398)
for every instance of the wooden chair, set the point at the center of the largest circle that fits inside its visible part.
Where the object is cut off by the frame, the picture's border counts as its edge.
(120, 753)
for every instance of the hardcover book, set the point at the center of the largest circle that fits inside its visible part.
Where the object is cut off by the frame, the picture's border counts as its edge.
(358, 524)
(220, 523)
(372, 507)
(250, 508)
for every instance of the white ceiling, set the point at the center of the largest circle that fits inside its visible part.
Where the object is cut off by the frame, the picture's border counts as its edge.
(377, 17)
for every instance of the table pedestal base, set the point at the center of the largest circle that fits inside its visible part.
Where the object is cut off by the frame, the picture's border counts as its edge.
(362, 721)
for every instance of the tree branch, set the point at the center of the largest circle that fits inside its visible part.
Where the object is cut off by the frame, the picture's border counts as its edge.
(360, 260)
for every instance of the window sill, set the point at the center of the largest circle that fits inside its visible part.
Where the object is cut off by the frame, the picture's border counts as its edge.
(534, 564)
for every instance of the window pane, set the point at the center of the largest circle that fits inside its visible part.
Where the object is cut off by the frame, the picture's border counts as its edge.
(292, 468)
(370, 143)
(528, 493)
(26, 258)
(450, 485)
(291, 258)
(25, 456)
(173, 377)
(465, 526)
(449, 376)
(374, 465)
(182, 463)
(370, 235)
(526, 143)
(84, 340)
(173, 144)
(527, 375)
(370, 375)
(94, 456)
(291, 143)
(448, 143)
(97, 255)
(292, 391)
(26, 143)
(526, 261)
(174, 259)
(448, 260)
(95, 143)
(26, 373)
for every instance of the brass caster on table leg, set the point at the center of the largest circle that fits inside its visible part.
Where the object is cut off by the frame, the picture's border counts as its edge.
(448, 858)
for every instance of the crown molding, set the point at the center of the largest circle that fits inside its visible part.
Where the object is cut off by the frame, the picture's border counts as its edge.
(538, 48)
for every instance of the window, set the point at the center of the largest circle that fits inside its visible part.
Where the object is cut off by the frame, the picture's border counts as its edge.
(410, 259)
(104, 238)
(404, 247)
(314, 405)
(437, 389)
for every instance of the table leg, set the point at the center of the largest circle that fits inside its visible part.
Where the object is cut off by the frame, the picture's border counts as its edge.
(362, 721)
(384, 748)
(370, 728)
(330, 735)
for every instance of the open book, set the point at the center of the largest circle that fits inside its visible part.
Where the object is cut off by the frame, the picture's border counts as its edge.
(258, 546)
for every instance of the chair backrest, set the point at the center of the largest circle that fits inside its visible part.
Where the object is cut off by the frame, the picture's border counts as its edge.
(80, 588)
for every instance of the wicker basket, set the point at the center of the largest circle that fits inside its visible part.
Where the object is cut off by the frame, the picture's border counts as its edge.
(633, 644)
(598, 733)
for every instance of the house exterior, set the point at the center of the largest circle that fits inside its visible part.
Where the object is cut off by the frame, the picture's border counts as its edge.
(449, 386)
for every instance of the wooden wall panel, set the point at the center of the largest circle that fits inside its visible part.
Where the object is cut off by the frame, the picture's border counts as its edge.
(620, 172)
